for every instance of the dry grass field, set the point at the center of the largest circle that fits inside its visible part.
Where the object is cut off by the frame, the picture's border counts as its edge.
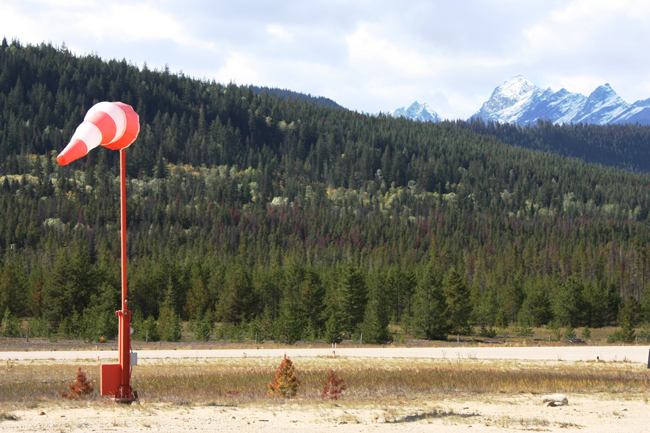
(508, 336)
(230, 394)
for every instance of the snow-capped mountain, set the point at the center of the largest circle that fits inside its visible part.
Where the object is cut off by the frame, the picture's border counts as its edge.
(520, 101)
(420, 112)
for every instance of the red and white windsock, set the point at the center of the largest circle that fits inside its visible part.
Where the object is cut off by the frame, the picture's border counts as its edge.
(111, 124)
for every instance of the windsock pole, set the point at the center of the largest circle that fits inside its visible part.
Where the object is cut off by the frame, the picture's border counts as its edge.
(124, 392)
(113, 125)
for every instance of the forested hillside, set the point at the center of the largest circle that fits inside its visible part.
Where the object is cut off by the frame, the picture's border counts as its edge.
(294, 220)
(625, 146)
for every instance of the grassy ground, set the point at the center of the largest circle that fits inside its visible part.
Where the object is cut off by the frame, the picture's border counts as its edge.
(539, 337)
(29, 384)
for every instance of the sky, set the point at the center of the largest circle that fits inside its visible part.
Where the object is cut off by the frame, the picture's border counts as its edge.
(369, 56)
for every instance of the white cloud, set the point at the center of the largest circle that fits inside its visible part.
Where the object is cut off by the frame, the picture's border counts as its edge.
(15, 24)
(134, 23)
(240, 68)
(279, 32)
(368, 51)
(64, 3)
(91, 21)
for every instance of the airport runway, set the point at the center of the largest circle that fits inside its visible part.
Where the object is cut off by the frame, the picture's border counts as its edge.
(563, 353)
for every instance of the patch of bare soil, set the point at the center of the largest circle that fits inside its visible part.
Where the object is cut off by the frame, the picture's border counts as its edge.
(485, 413)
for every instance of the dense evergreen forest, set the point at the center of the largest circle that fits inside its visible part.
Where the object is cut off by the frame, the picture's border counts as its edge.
(293, 220)
(625, 146)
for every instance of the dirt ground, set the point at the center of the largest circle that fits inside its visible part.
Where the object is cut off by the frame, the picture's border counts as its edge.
(485, 413)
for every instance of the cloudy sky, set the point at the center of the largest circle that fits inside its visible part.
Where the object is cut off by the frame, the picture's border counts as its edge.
(368, 56)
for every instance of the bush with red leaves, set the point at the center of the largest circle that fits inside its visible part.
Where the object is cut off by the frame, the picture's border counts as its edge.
(333, 386)
(285, 383)
(79, 388)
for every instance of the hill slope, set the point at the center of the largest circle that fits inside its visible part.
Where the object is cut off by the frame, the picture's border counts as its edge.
(294, 220)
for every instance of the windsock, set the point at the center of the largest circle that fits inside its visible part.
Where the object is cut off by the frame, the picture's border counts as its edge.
(111, 124)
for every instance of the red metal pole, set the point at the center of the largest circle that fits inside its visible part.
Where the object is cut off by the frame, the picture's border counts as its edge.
(124, 391)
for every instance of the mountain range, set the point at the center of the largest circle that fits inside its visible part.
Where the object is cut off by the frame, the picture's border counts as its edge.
(417, 111)
(520, 101)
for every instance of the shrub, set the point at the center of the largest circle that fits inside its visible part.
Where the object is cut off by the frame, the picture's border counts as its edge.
(10, 325)
(204, 326)
(569, 332)
(333, 386)
(627, 331)
(488, 332)
(285, 383)
(169, 325)
(38, 327)
(145, 330)
(79, 388)
(556, 331)
(615, 337)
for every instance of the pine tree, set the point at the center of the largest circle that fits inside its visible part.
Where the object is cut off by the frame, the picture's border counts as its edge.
(99, 320)
(198, 298)
(237, 297)
(333, 386)
(569, 332)
(352, 299)
(82, 386)
(333, 329)
(12, 288)
(287, 327)
(458, 302)
(169, 322)
(430, 314)
(10, 325)
(376, 319)
(285, 383)
(567, 305)
(627, 332)
(204, 326)
(68, 290)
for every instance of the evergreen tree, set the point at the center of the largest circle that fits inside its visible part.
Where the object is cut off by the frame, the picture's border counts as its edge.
(204, 326)
(69, 287)
(536, 308)
(198, 299)
(567, 305)
(285, 383)
(10, 325)
(630, 311)
(99, 320)
(169, 322)
(352, 299)
(287, 327)
(430, 313)
(376, 318)
(146, 330)
(333, 327)
(235, 300)
(627, 332)
(569, 332)
(12, 287)
(458, 302)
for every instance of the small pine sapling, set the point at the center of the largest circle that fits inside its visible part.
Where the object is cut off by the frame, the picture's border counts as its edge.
(569, 332)
(285, 383)
(79, 388)
(333, 386)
